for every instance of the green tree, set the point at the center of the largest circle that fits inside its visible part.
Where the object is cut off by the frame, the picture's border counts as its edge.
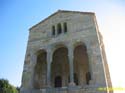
(5, 87)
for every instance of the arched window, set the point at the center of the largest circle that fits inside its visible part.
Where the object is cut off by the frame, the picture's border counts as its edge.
(53, 30)
(59, 28)
(65, 27)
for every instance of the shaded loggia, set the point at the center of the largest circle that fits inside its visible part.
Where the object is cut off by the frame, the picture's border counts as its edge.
(60, 68)
(40, 71)
(81, 64)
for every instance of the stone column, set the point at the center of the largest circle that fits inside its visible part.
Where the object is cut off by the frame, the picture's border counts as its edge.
(71, 66)
(49, 61)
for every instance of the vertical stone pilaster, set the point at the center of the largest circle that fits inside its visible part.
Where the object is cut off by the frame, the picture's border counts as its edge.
(33, 61)
(90, 59)
(95, 63)
(89, 52)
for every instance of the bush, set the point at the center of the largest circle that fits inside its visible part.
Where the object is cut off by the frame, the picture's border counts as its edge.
(5, 87)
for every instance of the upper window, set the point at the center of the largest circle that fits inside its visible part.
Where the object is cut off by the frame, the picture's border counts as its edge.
(53, 30)
(65, 27)
(59, 29)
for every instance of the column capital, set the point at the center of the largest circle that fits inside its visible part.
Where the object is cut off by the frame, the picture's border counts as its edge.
(70, 45)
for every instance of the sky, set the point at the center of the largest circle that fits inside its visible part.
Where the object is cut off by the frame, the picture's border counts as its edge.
(17, 16)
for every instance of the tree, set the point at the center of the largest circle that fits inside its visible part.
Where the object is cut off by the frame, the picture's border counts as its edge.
(5, 87)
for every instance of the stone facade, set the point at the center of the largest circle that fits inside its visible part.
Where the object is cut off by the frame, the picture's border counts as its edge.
(65, 54)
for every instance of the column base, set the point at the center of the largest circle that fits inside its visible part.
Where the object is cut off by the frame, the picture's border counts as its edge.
(71, 84)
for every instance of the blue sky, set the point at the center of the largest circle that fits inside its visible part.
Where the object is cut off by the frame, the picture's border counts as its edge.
(17, 16)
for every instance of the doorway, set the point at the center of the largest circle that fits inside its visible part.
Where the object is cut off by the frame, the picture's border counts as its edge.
(58, 81)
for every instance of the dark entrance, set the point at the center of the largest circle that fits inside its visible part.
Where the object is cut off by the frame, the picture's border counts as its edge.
(58, 81)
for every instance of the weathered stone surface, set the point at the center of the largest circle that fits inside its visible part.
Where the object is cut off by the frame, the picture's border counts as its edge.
(59, 62)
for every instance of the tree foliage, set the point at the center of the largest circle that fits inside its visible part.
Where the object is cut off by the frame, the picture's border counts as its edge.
(5, 87)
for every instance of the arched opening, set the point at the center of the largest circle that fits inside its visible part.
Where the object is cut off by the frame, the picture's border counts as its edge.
(58, 81)
(65, 27)
(40, 70)
(53, 30)
(81, 64)
(60, 68)
(59, 28)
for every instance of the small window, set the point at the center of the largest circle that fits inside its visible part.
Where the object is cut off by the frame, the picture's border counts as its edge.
(58, 81)
(65, 27)
(59, 29)
(53, 30)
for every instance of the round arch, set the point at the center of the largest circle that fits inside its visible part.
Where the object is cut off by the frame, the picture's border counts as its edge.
(81, 64)
(58, 45)
(78, 43)
(60, 67)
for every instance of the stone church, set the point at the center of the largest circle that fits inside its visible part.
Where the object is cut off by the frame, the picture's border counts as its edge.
(65, 54)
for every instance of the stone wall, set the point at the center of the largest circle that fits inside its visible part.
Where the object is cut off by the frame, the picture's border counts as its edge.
(81, 29)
